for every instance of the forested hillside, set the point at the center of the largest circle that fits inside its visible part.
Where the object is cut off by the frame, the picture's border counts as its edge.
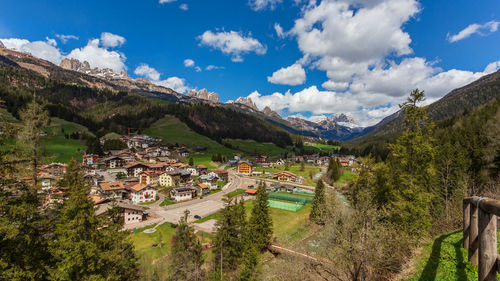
(103, 111)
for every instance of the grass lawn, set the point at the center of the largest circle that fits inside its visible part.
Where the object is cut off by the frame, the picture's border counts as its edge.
(172, 130)
(56, 147)
(319, 147)
(296, 170)
(255, 148)
(112, 136)
(346, 177)
(148, 203)
(236, 192)
(167, 202)
(288, 227)
(443, 258)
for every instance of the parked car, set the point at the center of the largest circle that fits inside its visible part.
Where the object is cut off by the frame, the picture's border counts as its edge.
(197, 217)
(250, 185)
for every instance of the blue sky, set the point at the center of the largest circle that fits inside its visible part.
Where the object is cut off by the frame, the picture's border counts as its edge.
(359, 57)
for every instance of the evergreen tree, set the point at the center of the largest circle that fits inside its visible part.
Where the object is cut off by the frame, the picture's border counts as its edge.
(186, 257)
(24, 253)
(287, 165)
(229, 241)
(302, 165)
(249, 270)
(34, 118)
(86, 247)
(412, 168)
(319, 211)
(260, 223)
(191, 161)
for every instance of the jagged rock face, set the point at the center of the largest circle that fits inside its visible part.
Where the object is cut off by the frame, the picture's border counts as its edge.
(2, 45)
(247, 101)
(271, 113)
(341, 118)
(84, 67)
(204, 95)
(74, 64)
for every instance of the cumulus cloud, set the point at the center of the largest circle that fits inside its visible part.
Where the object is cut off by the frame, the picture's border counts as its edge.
(279, 30)
(99, 57)
(259, 5)
(42, 49)
(111, 40)
(481, 29)
(175, 83)
(374, 94)
(166, 1)
(188, 63)
(147, 71)
(292, 75)
(65, 38)
(335, 86)
(183, 7)
(232, 43)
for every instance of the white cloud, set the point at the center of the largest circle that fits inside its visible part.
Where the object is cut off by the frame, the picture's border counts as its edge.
(292, 75)
(373, 94)
(166, 1)
(232, 43)
(213, 67)
(197, 68)
(99, 57)
(189, 63)
(481, 29)
(111, 40)
(259, 5)
(279, 30)
(147, 71)
(335, 86)
(183, 7)
(65, 38)
(41, 49)
(175, 83)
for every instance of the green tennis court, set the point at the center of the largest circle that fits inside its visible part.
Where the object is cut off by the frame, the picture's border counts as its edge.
(293, 207)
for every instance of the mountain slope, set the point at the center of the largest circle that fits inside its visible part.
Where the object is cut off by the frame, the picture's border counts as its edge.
(458, 101)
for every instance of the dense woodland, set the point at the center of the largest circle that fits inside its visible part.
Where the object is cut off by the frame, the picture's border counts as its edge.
(103, 111)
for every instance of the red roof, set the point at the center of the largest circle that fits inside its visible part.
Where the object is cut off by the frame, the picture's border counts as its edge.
(251, 191)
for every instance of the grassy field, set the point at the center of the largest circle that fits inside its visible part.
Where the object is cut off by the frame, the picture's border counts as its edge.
(319, 147)
(172, 130)
(236, 192)
(288, 227)
(256, 148)
(112, 136)
(56, 147)
(295, 168)
(443, 258)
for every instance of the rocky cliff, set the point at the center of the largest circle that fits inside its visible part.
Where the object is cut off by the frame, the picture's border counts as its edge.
(204, 95)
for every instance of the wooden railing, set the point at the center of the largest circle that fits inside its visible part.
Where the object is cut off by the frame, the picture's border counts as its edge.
(480, 235)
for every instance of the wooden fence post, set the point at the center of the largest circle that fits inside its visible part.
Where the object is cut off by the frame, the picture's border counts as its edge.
(466, 221)
(473, 232)
(487, 269)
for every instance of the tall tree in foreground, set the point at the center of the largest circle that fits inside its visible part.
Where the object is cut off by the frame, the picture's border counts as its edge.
(260, 223)
(413, 170)
(87, 247)
(319, 211)
(34, 118)
(24, 253)
(186, 256)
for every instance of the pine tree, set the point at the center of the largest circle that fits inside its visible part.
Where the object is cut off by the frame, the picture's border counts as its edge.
(24, 253)
(249, 270)
(412, 168)
(186, 255)
(229, 241)
(191, 161)
(302, 165)
(260, 223)
(34, 118)
(319, 210)
(86, 247)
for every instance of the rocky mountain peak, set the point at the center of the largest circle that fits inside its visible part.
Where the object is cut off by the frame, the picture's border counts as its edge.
(2, 45)
(75, 65)
(271, 113)
(84, 67)
(341, 118)
(204, 95)
(247, 101)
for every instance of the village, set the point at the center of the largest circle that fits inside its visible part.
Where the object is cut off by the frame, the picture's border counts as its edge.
(152, 182)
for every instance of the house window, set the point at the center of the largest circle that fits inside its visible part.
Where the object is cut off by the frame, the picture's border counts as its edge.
(128, 219)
